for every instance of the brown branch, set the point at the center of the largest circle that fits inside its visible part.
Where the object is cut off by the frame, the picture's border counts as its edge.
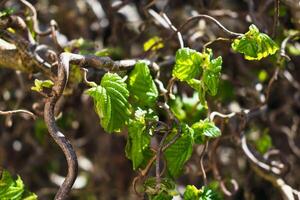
(58, 137)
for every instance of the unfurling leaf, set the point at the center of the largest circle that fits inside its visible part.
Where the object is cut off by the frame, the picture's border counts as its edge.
(11, 189)
(205, 128)
(254, 45)
(179, 152)
(40, 84)
(111, 102)
(141, 86)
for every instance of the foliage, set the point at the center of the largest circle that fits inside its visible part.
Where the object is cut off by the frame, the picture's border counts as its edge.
(179, 152)
(111, 102)
(138, 142)
(11, 189)
(40, 84)
(254, 45)
(205, 128)
(205, 193)
(141, 86)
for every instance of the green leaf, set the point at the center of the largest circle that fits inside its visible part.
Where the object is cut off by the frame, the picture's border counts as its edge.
(179, 152)
(153, 43)
(191, 193)
(40, 84)
(11, 189)
(211, 75)
(111, 102)
(141, 85)
(138, 142)
(187, 64)
(254, 45)
(205, 128)
(205, 193)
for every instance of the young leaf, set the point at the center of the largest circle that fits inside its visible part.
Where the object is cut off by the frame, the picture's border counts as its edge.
(111, 102)
(138, 141)
(40, 84)
(179, 152)
(153, 43)
(191, 193)
(254, 45)
(11, 189)
(211, 75)
(142, 86)
(205, 128)
(205, 193)
(187, 64)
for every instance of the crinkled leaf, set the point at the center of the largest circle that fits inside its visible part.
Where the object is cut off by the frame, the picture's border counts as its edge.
(179, 152)
(211, 75)
(254, 45)
(187, 64)
(138, 142)
(111, 102)
(11, 189)
(141, 85)
(205, 128)
(153, 43)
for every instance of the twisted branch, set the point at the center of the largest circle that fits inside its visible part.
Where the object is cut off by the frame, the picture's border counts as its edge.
(58, 136)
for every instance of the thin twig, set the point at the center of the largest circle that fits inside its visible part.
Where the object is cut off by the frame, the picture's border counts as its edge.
(10, 112)
(201, 163)
(200, 16)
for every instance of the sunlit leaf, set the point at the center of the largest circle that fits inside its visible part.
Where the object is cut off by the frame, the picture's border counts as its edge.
(40, 84)
(11, 189)
(111, 102)
(205, 193)
(211, 75)
(187, 64)
(205, 128)
(141, 86)
(254, 45)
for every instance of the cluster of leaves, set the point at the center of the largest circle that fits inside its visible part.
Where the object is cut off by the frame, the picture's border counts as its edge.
(191, 64)
(131, 102)
(11, 189)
